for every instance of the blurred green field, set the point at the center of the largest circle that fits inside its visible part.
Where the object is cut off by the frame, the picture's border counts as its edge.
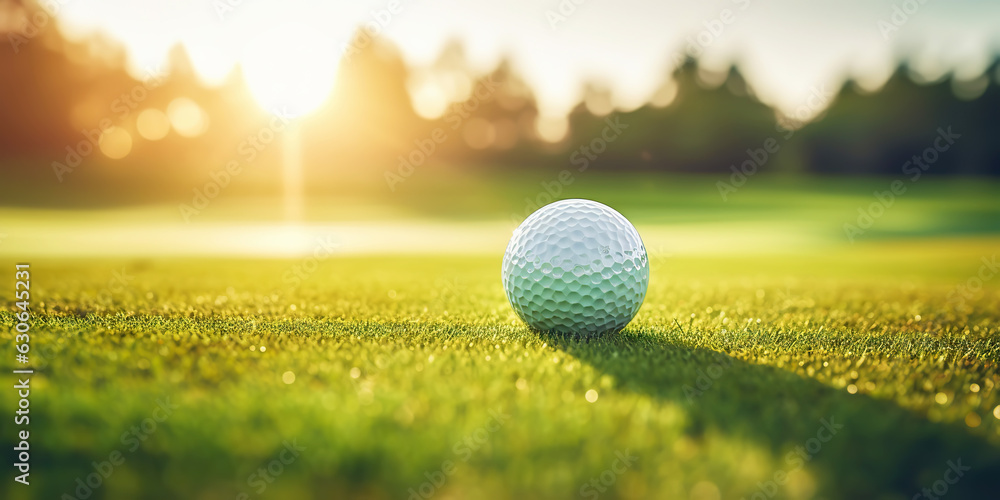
(447, 213)
(396, 356)
(388, 370)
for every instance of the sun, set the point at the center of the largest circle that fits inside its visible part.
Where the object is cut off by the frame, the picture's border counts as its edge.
(290, 69)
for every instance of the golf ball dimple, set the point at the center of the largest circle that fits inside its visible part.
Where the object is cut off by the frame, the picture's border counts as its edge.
(576, 267)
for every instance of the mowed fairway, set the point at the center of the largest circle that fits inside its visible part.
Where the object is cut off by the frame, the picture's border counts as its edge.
(842, 375)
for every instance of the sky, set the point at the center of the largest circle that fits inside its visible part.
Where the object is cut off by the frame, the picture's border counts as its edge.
(787, 49)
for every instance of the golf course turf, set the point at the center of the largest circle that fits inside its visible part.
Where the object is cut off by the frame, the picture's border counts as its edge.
(852, 374)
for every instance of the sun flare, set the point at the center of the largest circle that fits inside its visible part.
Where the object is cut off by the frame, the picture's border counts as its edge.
(291, 69)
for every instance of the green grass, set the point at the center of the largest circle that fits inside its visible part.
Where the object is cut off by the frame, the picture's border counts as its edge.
(731, 364)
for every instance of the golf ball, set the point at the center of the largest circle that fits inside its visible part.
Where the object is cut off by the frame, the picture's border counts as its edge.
(576, 267)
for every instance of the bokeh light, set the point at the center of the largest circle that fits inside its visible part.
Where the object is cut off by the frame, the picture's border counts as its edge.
(187, 117)
(115, 143)
(551, 128)
(429, 99)
(152, 124)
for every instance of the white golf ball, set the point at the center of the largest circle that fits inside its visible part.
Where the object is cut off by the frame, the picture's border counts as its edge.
(576, 267)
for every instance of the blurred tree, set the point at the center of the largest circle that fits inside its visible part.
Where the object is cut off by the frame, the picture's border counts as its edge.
(55, 95)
